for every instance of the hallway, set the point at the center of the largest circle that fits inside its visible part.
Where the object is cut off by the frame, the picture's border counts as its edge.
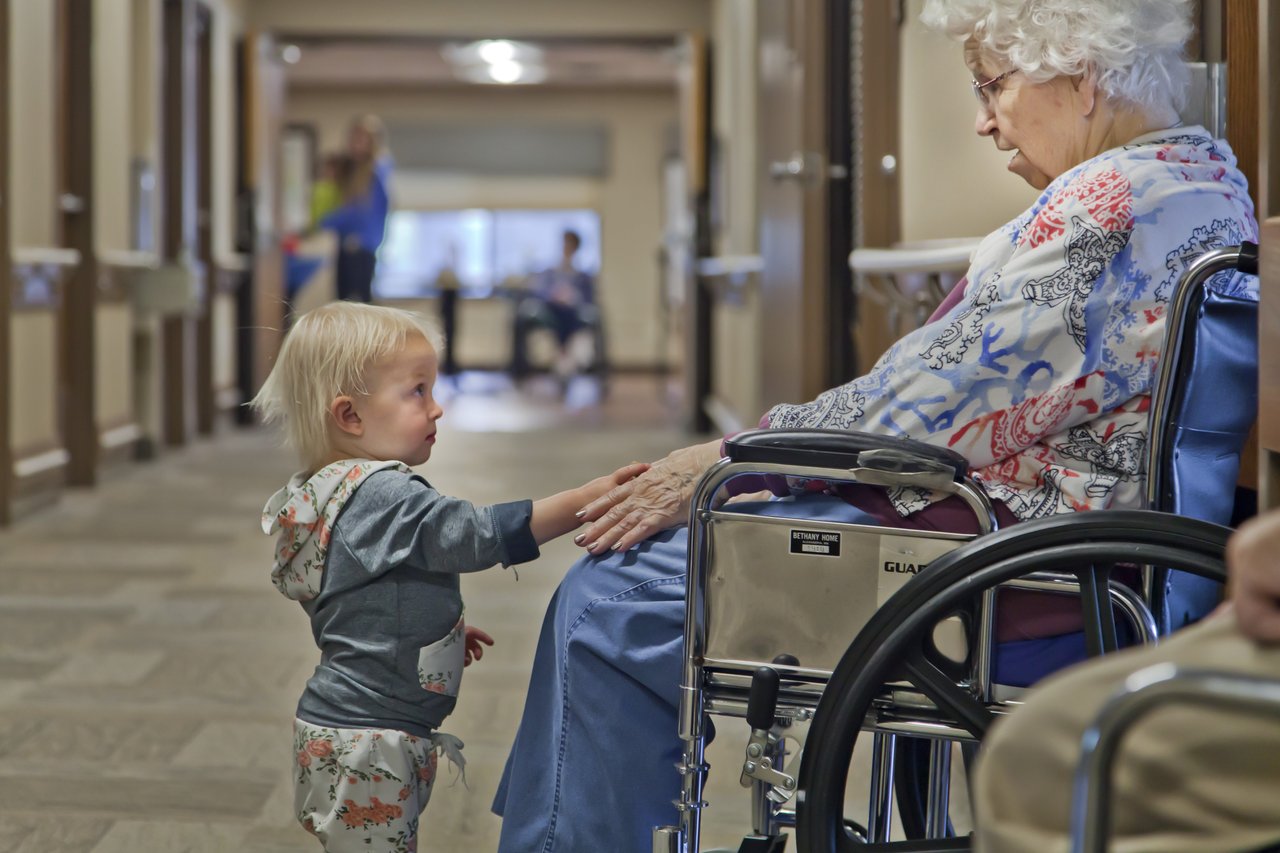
(148, 669)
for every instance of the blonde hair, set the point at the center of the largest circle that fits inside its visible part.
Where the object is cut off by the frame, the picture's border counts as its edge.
(328, 353)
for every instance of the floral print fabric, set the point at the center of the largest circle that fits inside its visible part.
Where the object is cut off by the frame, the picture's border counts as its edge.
(440, 664)
(365, 789)
(1041, 374)
(303, 514)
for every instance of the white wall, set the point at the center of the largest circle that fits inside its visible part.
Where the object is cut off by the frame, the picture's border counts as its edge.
(628, 198)
(229, 24)
(954, 182)
(480, 17)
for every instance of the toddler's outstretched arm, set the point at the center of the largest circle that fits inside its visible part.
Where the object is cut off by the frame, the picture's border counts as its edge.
(556, 515)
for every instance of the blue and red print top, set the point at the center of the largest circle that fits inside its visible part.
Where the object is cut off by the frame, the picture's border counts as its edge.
(1041, 374)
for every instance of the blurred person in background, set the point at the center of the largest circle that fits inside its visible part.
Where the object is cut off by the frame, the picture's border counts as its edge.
(561, 299)
(361, 219)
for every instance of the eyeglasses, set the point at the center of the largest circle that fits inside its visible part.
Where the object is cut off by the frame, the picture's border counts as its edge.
(987, 96)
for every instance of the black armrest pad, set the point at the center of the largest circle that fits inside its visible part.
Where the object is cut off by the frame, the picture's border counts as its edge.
(824, 448)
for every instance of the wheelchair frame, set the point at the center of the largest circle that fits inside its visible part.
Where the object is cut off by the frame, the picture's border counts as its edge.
(723, 686)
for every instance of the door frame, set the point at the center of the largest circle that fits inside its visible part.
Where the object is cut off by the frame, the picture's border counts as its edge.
(203, 126)
(76, 400)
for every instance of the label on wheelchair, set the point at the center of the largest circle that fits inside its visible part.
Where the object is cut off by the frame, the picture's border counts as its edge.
(901, 559)
(815, 542)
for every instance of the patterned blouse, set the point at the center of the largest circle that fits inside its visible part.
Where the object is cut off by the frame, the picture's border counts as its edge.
(1041, 374)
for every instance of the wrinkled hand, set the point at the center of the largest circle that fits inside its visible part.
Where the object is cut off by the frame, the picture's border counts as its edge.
(629, 513)
(1253, 561)
(474, 638)
(601, 486)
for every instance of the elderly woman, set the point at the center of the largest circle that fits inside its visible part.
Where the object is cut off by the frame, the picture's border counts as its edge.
(1037, 369)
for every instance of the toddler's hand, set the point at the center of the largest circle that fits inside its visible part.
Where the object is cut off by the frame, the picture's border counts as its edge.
(475, 651)
(600, 486)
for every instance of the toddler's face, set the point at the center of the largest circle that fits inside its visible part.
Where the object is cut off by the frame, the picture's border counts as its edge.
(400, 415)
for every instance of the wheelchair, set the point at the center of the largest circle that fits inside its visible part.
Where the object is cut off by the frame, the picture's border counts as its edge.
(925, 666)
(531, 313)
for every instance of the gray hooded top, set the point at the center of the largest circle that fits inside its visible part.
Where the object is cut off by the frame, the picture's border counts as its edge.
(373, 553)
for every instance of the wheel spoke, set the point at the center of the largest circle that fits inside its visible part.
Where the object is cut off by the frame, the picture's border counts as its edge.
(950, 697)
(1095, 604)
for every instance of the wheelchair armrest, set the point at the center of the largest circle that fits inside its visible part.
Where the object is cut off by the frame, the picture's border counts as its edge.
(841, 449)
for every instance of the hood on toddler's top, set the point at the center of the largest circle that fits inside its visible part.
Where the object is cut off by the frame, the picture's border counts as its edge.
(303, 513)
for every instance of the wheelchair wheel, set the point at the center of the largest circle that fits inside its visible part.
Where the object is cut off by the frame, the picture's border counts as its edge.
(897, 645)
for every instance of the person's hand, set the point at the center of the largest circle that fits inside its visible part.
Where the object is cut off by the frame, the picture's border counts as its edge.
(601, 486)
(629, 513)
(1253, 562)
(474, 640)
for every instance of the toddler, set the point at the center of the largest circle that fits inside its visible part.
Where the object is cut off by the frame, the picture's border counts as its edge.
(373, 554)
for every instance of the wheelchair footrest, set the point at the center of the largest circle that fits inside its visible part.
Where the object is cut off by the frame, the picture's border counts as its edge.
(763, 844)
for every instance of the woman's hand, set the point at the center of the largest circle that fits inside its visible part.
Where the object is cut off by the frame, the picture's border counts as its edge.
(474, 638)
(633, 511)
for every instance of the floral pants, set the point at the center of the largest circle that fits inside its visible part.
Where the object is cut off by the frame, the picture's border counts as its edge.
(365, 789)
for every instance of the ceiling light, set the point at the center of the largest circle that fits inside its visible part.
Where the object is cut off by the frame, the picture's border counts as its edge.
(506, 72)
(496, 51)
(291, 53)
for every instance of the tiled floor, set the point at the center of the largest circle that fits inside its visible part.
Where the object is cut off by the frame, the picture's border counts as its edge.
(148, 669)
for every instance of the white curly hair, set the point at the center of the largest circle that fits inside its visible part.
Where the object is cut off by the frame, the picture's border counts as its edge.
(1134, 46)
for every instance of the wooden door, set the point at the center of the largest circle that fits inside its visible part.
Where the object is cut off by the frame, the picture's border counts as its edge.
(794, 284)
(204, 390)
(178, 243)
(76, 407)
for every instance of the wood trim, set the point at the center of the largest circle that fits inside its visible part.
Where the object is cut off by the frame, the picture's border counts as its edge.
(203, 190)
(1242, 87)
(79, 310)
(112, 289)
(178, 212)
(228, 281)
(1269, 362)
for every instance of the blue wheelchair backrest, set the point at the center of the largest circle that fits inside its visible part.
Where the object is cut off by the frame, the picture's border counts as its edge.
(1202, 413)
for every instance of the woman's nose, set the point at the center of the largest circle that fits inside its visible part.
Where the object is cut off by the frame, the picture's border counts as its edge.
(985, 121)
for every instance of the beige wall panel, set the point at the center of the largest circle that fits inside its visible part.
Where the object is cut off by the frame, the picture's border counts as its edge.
(112, 122)
(113, 364)
(498, 17)
(735, 47)
(735, 362)
(628, 199)
(224, 341)
(31, 131)
(954, 182)
(228, 26)
(33, 378)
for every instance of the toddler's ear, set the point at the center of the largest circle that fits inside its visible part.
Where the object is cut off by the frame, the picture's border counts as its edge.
(345, 416)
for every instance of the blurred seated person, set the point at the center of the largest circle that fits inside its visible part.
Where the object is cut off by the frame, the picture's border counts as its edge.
(1187, 777)
(561, 299)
